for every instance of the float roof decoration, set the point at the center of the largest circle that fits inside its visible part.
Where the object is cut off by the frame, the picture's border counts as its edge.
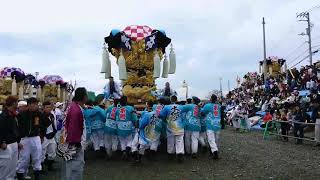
(275, 59)
(137, 33)
(30, 79)
(153, 38)
(6, 72)
(52, 79)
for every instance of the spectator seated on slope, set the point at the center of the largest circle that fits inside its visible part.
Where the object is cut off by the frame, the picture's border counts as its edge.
(266, 119)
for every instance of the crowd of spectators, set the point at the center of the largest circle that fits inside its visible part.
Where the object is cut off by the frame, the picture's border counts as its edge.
(292, 96)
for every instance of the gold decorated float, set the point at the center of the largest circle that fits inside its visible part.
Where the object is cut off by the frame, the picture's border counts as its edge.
(139, 58)
(275, 66)
(13, 81)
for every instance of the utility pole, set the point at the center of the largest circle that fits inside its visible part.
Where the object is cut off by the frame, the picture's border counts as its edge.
(286, 70)
(37, 74)
(306, 17)
(185, 85)
(220, 79)
(187, 89)
(264, 51)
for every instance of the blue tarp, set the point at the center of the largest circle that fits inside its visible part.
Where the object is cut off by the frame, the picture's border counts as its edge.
(304, 93)
(309, 113)
(260, 113)
(257, 127)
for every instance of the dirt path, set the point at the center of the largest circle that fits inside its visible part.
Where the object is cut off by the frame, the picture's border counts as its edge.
(243, 156)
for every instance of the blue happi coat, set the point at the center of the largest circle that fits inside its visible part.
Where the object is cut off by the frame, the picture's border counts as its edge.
(203, 123)
(87, 122)
(212, 113)
(157, 109)
(150, 126)
(111, 124)
(126, 117)
(173, 115)
(192, 122)
(94, 119)
(97, 115)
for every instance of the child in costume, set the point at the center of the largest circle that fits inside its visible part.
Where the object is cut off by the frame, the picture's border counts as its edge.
(212, 111)
(244, 121)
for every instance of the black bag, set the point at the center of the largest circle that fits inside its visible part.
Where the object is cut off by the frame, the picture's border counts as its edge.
(51, 135)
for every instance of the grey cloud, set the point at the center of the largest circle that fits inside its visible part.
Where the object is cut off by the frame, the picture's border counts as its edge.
(211, 38)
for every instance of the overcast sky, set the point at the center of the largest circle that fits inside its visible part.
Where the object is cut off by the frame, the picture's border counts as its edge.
(212, 38)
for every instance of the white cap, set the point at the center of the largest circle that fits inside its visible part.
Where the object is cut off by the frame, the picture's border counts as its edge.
(58, 104)
(22, 103)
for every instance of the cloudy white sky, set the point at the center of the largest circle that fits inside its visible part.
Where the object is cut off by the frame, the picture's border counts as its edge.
(212, 38)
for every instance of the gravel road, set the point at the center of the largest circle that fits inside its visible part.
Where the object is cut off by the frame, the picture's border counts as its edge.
(243, 156)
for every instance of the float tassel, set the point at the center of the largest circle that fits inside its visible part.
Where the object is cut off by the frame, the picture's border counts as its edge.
(285, 67)
(270, 69)
(106, 63)
(39, 93)
(172, 56)
(105, 56)
(59, 92)
(156, 65)
(30, 91)
(165, 68)
(14, 87)
(122, 67)
(63, 95)
(21, 92)
(108, 67)
(259, 69)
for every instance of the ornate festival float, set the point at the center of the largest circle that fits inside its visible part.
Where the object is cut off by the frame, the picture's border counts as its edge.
(14, 81)
(139, 51)
(275, 66)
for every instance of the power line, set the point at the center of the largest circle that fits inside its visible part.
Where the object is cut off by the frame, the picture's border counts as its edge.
(300, 61)
(295, 59)
(316, 38)
(316, 46)
(292, 52)
(305, 16)
(299, 56)
(316, 51)
(315, 17)
(315, 27)
(313, 8)
(275, 44)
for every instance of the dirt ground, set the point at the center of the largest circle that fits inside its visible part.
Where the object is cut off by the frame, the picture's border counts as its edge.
(243, 156)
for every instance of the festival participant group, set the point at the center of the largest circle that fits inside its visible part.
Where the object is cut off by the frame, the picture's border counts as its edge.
(183, 125)
(33, 133)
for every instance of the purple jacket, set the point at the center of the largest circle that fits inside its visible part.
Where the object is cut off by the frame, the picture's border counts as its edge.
(74, 124)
